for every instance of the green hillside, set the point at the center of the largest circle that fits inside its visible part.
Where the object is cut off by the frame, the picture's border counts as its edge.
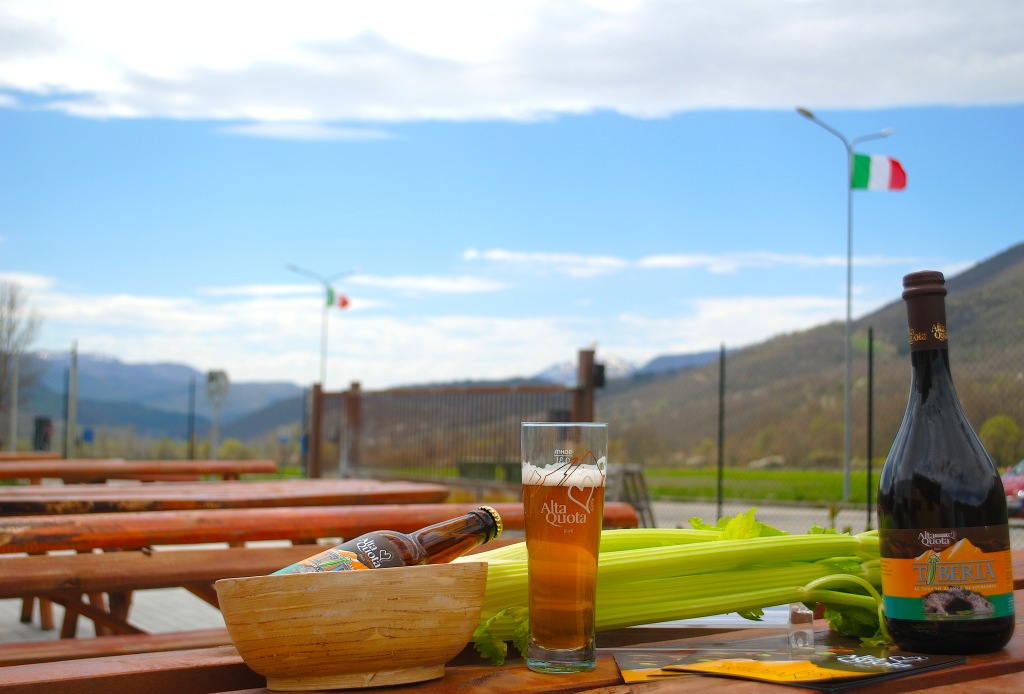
(784, 397)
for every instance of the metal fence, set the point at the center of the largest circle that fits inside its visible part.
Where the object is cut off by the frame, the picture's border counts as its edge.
(758, 427)
(455, 433)
(764, 427)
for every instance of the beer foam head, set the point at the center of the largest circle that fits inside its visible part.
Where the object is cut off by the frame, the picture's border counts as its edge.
(555, 475)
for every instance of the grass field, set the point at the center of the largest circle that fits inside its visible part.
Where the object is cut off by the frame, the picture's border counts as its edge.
(808, 487)
(797, 486)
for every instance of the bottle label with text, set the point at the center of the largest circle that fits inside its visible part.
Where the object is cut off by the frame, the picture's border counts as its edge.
(947, 574)
(371, 551)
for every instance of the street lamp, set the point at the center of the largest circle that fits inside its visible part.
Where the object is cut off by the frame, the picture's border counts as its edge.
(328, 290)
(847, 390)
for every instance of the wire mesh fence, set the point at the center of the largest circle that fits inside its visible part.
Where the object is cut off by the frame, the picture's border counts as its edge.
(764, 427)
(758, 427)
(447, 433)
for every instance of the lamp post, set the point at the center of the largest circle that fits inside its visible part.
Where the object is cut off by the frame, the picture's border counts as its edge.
(326, 282)
(847, 351)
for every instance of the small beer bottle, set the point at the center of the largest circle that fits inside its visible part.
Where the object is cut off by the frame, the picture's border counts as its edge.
(435, 544)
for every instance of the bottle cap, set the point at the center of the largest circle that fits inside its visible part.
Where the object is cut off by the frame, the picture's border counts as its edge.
(497, 521)
(925, 295)
(924, 282)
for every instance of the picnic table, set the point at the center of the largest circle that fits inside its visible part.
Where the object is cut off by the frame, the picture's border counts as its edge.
(72, 470)
(221, 669)
(145, 559)
(28, 455)
(62, 510)
(179, 496)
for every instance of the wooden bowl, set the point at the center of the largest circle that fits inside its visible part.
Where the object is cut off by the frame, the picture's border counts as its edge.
(345, 629)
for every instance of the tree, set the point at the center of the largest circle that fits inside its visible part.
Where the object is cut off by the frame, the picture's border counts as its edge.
(1001, 437)
(19, 327)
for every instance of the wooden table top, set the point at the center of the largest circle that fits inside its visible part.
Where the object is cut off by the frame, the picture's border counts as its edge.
(103, 469)
(175, 496)
(28, 455)
(85, 532)
(221, 669)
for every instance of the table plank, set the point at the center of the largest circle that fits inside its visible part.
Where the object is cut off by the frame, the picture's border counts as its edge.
(6, 456)
(31, 652)
(173, 496)
(88, 469)
(135, 570)
(195, 671)
(163, 672)
(85, 532)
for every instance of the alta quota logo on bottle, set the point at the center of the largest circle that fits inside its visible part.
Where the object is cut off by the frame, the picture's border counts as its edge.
(930, 539)
(377, 555)
(917, 336)
(936, 332)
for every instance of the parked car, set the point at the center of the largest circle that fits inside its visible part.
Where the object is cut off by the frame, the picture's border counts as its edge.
(1013, 485)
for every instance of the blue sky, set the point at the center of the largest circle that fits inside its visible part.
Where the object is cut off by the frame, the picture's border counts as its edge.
(510, 183)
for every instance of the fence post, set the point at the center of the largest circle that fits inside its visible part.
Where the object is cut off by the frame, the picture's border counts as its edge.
(721, 429)
(316, 410)
(583, 397)
(354, 430)
(871, 416)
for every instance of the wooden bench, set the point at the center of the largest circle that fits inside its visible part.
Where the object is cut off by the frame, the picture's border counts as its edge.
(119, 531)
(177, 496)
(28, 455)
(59, 500)
(63, 577)
(72, 579)
(83, 470)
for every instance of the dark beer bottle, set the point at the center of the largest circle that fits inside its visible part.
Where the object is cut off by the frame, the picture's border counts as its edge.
(947, 579)
(435, 544)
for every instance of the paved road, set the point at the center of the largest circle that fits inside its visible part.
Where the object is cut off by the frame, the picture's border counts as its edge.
(793, 519)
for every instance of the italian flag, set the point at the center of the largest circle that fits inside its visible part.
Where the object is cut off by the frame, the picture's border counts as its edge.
(339, 300)
(876, 172)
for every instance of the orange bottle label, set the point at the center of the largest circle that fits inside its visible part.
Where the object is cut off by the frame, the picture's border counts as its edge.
(947, 573)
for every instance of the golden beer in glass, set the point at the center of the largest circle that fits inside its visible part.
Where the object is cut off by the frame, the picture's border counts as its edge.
(564, 470)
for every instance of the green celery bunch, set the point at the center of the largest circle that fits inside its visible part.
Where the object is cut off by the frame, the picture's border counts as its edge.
(738, 565)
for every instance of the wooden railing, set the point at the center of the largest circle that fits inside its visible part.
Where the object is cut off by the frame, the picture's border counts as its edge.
(426, 432)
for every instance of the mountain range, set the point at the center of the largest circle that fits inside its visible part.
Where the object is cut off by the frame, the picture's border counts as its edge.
(156, 399)
(784, 395)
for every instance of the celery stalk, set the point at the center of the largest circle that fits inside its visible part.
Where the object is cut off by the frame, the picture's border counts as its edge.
(654, 575)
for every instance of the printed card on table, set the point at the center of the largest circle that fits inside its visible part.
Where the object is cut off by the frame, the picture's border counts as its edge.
(827, 669)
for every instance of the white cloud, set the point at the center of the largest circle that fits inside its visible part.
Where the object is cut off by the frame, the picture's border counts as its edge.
(306, 131)
(259, 333)
(260, 290)
(731, 262)
(406, 284)
(297, 72)
(734, 321)
(571, 264)
(589, 266)
(28, 281)
(430, 284)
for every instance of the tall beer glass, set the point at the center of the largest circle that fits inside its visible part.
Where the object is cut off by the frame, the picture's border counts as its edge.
(563, 499)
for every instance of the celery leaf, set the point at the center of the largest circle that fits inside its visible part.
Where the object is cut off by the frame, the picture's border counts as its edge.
(739, 527)
(755, 615)
(521, 636)
(494, 649)
(486, 644)
(853, 621)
